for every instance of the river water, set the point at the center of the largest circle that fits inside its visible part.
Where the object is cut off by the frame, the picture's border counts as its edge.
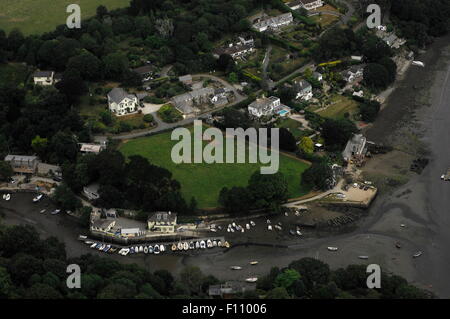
(422, 204)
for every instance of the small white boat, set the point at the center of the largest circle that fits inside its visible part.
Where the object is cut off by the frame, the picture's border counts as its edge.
(226, 244)
(214, 243)
(213, 230)
(191, 245)
(299, 233)
(141, 249)
(185, 245)
(8, 197)
(251, 279)
(82, 237)
(253, 263)
(278, 227)
(101, 247)
(219, 243)
(42, 211)
(197, 245)
(252, 223)
(363, 257)
(55, 212)
(233, 224)
(418, 63)
(202, 244)
(162, 248)
(286, 214)
(93, 245)
(242, 230)
(228, 230)
(269, 227)
(150, 249)
(209, 243)
(236, 267)
(418, 254)
(174, 247)
(402, 225)
(156, 250)
(145, 250)
(268, 221)
(37, 198)
(180, 246)
(136, 249)
(125, 251)
(232, 230)
(332, 248)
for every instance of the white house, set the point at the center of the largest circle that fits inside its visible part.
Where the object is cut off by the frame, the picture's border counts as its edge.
(164, 222)
(44, 78)
(353, 73)
(265, 23)
(121, 103)
(355, 148)
(268, 106)
(303, 89)
(307, 4)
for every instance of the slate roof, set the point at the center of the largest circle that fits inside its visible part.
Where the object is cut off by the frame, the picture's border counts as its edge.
(118, 94)
(42, 74)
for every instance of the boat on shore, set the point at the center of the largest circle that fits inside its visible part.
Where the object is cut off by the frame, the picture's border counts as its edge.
(145, 250)
(253, 263)
(209, 243)
(332, 248)
(227, 244)
(37, 198)
(150, 249)
(180, 246)
(418, 63)
(236, 267)
(156, 250)
(42, 211)
(418, 254)
(7, 197)
(252, 279)
(202, 244)
(56, 211)
(185, 245)
(252, 223)
(174, 247)
(363, 257)
(191, 245)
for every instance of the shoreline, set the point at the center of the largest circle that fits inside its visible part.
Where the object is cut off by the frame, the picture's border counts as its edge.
(375, 234)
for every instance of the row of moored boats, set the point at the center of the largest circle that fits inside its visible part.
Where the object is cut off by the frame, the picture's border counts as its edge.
(156, 248)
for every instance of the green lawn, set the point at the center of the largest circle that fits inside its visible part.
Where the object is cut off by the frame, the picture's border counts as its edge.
(341, 105)
(38, 16)
(295, 127)
(204, 181)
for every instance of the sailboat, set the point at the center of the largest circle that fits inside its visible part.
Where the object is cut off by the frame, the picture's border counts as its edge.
(37, 198)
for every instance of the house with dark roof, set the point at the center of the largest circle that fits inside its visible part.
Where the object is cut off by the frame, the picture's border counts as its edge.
(164, 222)
(273, 23)
(185, 102)
(237, 50)
(44, 78)
(355, 148)
(103, 225)
(22, 164)
(121, 103)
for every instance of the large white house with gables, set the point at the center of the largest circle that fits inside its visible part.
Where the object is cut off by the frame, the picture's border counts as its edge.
(121, 103)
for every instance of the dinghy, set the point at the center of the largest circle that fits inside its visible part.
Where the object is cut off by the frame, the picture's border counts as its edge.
(174, 247)
(332, 248)
(37, 198)
(236, 267)
(251, 279)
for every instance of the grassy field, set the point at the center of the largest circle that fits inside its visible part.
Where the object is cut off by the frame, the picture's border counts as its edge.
(340, 105)
(204, 181)
(294, 127)
(38, 16)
